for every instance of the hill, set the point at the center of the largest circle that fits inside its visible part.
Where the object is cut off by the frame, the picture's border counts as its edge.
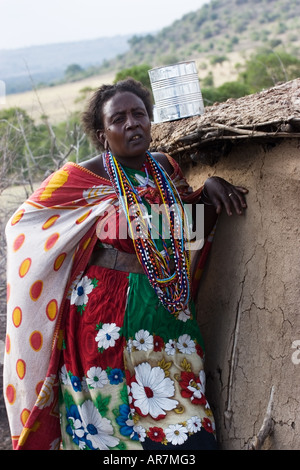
(219, 27)
(48, 63)
(220, 36)
(216, 29)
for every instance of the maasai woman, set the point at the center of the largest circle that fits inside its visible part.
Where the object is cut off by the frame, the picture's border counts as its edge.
(103, 349)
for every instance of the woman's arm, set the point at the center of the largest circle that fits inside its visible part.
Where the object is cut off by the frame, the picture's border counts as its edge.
(218, 193)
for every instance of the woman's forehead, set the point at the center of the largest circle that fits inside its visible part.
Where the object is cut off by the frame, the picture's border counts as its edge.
(122, 101)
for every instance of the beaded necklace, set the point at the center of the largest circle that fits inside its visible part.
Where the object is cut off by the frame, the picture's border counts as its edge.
(172, 288)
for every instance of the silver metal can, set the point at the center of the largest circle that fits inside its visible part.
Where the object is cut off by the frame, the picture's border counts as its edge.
(176, 91)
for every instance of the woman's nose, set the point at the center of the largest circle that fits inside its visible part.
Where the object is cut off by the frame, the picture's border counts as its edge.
(131, 122)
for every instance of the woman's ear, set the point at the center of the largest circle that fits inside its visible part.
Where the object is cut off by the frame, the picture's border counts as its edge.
(102, 139)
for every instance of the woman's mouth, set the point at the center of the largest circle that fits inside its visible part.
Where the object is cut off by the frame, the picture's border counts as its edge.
(135, 138)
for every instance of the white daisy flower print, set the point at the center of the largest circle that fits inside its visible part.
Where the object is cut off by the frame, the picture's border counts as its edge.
(73, 285)
(141, 432)
(197, 391)
(143, 340)
(198, 388)
(186, 345)
(152, 391)
(76, 426)
(176, 434)
(64, 376)
(82, 445)
(194, 424)
(107, 335)
(79, 295)
(129, 345)
(170, 347)
(129, 397)
(184, 315)
(96, 377)
(99, 431)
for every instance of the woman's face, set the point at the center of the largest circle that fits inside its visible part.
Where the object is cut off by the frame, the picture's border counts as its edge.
(126, 126)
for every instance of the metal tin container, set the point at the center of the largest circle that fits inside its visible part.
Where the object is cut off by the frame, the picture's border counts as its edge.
(176, 91)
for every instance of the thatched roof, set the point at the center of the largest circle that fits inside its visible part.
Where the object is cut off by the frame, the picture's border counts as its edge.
(265, 116)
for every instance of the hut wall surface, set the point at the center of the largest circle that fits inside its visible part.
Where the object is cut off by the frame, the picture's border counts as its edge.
(248, 298)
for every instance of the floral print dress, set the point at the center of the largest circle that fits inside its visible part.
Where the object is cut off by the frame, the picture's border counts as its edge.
(131, 373)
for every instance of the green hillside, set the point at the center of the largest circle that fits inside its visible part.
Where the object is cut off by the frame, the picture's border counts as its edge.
(218, 28)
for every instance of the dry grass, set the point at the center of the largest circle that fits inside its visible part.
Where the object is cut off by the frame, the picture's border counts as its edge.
(221, 72)
(57, 102)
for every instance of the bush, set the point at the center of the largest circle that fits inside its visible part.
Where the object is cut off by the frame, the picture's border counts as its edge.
(232, 90)
(266, 68)
(218, 59)
(138, 72)
(28, 150)
(224, 92)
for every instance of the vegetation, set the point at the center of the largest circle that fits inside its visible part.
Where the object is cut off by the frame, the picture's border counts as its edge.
(263, 70)
(219, 27)
(138, 72)
(30, 151)
(266, 68)
(73, 71)
(222, 93)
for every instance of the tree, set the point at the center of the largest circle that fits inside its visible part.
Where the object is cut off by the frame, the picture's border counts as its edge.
(224, 92)
(138, 72)
(72, 71)
(16, 157)
(267, 67)
(29, 151)
(232, 90)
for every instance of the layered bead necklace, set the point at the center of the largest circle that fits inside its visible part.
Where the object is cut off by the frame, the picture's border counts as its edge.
(172, 288)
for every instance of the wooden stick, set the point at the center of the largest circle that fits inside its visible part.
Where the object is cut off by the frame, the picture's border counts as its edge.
(236, 130)
(267, 426)
(204, 141)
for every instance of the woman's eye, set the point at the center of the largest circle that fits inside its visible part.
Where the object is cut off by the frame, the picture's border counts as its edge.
(118, 119)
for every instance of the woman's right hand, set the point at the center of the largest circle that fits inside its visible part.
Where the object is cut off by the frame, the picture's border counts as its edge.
(220, 193)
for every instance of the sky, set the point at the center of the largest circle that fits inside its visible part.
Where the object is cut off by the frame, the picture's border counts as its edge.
(35, 22)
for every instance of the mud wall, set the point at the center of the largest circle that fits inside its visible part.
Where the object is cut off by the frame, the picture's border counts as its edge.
(248, 299)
